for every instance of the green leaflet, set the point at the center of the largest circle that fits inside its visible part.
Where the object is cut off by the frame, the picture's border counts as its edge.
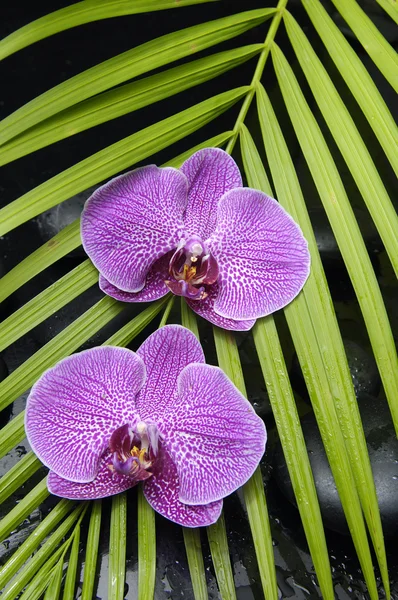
(375, 44)
(71, 572)
(24, 508)
(115, 158)
(117, 547)
(348, 139)
(146, 548)
(390, 6)
(345, 228)
(357, 79)
(90, 563)
(45, 552)
(54, 588)
(193, 548)
(22, 554)
(280, 393)
(12, 434)
(130, 64)
(122, 100)
(321, 310)
(217, 536)
(78, 14)
(61, 244)
(39, 583)
(47, 302)
(18, 474)
(256, 505)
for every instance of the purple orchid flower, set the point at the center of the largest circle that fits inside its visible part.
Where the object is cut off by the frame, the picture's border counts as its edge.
(232, 252)
(107, 418)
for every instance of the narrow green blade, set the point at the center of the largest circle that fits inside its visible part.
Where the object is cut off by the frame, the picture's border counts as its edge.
(61, 244)
(193, 548)
(128, 65)
(71, 572)
(12, 434)
(80, 13)
(216, 141)
(217, 536)
(42, 555)
(24, 508)
(229, 361)
(117, 547)
(321, 309)
(345, 228)
(90, 565)
(348, 139)
(54, 589)
(18, 475)
(29, 546)
(115, 158)
(391, 8)
(47, 302)
(39, 583)
(282, 401)
(375, 44)
(122, 100)
(146, 548)
(357, 79)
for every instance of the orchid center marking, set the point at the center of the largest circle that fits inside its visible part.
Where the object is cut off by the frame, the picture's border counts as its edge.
(192, 268)
(133, 451)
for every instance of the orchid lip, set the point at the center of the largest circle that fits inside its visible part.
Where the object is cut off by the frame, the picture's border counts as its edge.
(191, 268)
(134, 450)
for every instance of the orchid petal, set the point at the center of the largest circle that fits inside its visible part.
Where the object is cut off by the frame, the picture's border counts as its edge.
(214, 436)
(154, 288)
(205, 308)
(106, 483)
(162, 490)
(131, 221)
(165, 353)
(210, 172)
(262, 255)
(75, 406)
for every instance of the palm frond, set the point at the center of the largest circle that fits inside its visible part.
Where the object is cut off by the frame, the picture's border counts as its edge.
(90, 98)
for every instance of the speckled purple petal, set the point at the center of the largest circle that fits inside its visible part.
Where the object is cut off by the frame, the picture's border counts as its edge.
(133, 220)
(262, 255)
(162, 491)
(214, 437)
(210, 172)
(154, 289)
(105, 483)
(74, 407)
(205, 308)
(165, 353)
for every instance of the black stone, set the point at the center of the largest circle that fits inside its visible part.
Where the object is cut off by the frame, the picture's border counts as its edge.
(337, 275)
(326, 241)
(55, 219)
(383, 453)
(362, 365)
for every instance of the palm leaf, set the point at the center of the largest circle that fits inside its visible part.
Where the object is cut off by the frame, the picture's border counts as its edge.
(128, 65)
(78, 14)
(84, 102)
